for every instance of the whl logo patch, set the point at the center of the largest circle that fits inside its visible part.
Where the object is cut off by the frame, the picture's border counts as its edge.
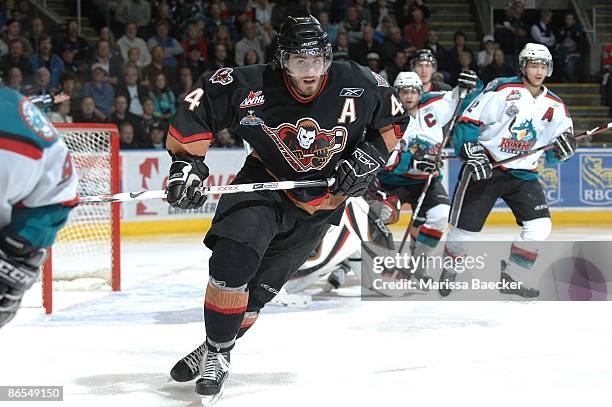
(254, 99)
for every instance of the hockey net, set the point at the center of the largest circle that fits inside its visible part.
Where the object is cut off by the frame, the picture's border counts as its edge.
(87, 249)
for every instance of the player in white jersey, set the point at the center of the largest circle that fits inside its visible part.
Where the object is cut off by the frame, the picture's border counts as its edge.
(512, 116)
(38, 188)
(413, 160)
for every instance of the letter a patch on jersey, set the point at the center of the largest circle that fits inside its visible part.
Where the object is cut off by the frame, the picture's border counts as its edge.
(548, 116)
(348, 111)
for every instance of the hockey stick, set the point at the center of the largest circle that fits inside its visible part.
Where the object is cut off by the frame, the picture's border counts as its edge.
(437, 159)
(219, 189)
(580, 136)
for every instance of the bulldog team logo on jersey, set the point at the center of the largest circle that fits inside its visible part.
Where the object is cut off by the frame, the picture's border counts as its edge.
(596, 179)
(36, 120)
(254, 99)
(550, 178)
(222, 76)
(522, 137)
(305, 145)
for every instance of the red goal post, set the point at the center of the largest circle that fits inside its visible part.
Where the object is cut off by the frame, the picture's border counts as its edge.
(89, 244)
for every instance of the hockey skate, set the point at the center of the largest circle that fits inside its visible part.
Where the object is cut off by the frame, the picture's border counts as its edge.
(447, 278)
(525, 292)
(189, 367)
(216, 369)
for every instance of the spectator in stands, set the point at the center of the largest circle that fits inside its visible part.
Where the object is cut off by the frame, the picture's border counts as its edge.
(130, 40)
(138, 11)
(88, 112)
(262, 10)
(465, 62)
(163, 98)
(363, 10)
(331, 29)
(171, 47)
(399, 64)
(373, 62)
(433, 44)
(37, 29)
(194, 38)
(158, 66)
(251, 41)
(127, 139)
(453, 64)
(511, 34)
(68, 53)
(485, 57)
(196, 63)
(99, 89)
(497, 69)
(15, 81)
(106, 34)
(379, 10)
(222, 36)
(13, 31)
(158, 136)
(16, 59)
(79, 44)
(163, 13)
(425, 66)
(112, 65)
(606, 76)
(69, 85)
(359, 50)
(185, 82)
(46, 59)
(130, 88)
(251, 58)
(220, 57)
(60, 113)
(542, 33)
(134, 60)
(393, 44)
(216, 21)
(147, 121)
(571, 40)
(121, 114)
(7, 12)
(352, 25)
(341, 48)
(416, 32)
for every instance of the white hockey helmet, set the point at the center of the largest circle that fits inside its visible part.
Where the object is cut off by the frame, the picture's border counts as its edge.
(410, 80)
(538, 53)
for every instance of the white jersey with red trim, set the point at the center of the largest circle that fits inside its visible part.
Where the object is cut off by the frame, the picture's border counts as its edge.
(507, 120)
(35, 171)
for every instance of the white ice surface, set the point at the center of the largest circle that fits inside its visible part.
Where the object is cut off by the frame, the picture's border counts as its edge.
(116, 349)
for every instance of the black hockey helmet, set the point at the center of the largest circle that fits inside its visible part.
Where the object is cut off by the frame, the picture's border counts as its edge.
(424, 55)
(303, 36)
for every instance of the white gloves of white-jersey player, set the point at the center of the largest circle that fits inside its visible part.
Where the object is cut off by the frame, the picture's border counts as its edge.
(564, 146)
(476, 161)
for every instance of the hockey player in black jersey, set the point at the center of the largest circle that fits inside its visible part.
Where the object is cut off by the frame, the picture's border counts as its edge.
(307, 118)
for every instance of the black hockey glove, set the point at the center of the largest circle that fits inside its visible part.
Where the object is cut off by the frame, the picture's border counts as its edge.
(19, 269)
(354, 174)
(467, 80)
(187, 172)
(424, 162)
(476, 161)
(565, 146)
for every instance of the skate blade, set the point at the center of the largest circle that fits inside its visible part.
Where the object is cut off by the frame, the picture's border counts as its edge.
(211, 400)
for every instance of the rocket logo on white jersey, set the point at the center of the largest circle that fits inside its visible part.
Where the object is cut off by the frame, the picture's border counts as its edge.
(522, 137)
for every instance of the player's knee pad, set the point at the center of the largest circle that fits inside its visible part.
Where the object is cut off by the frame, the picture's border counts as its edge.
(536, 229)
(232, 264)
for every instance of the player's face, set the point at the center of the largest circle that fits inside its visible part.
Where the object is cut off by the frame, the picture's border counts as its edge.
(425, 70)
(306, 72)
(409, 97)
(536, 72)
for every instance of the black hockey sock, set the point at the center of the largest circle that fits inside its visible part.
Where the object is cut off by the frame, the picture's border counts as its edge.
(247, 322)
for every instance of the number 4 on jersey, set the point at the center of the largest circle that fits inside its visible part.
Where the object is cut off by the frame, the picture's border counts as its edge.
(193, 98)
(396, 106)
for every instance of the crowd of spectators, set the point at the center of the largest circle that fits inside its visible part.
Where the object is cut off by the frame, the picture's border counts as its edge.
(149, 52)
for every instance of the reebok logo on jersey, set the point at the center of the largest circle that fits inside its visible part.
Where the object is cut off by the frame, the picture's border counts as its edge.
(305, 145)
(254, 99)
(351, 92)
